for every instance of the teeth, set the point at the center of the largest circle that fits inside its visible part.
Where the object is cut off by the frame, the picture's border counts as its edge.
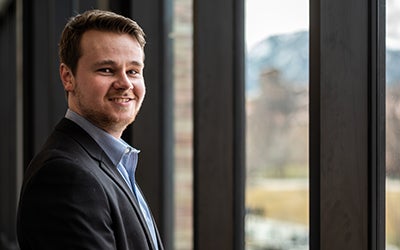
(121, 100)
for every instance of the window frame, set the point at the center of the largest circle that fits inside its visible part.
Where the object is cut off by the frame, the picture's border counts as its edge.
(347, 125)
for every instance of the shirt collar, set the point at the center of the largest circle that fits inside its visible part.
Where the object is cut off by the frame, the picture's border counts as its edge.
(113, 147)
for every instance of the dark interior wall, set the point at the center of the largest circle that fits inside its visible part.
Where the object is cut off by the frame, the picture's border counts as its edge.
(8, 146)
(42, 100)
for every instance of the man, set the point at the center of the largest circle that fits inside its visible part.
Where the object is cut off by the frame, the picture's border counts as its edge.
(80, 192)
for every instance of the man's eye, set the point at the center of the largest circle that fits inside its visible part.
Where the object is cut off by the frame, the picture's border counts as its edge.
(105, 70)
(132, 72)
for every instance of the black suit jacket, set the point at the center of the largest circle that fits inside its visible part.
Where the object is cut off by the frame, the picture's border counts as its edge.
(74, 198)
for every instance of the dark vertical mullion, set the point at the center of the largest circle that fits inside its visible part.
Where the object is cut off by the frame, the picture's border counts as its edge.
(152, 132)
(377, 125)
(218, 125)
(346, 125)
(239, 125)
(27, 89)
(314, 124)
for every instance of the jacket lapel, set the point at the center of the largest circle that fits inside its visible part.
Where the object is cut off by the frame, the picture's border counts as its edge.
(113, 172)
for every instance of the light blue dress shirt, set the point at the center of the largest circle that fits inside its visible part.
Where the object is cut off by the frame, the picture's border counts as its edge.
(123, 156)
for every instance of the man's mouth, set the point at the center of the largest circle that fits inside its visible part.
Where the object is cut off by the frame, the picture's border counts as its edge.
(120, 100)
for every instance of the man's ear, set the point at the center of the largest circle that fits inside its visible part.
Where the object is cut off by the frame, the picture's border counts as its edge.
(67, 78)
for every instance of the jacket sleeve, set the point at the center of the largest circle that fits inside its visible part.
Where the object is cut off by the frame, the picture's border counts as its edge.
(64, 206)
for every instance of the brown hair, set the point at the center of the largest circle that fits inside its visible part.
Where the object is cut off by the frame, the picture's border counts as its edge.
(69, 46)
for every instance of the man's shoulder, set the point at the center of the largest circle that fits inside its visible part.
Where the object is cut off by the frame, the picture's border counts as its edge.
(69, 140)
(64, 155)
(64, 147)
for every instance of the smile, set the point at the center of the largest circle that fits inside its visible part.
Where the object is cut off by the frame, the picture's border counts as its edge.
(121, 100)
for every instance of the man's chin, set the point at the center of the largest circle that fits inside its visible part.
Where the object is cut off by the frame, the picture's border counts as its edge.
(123, 122)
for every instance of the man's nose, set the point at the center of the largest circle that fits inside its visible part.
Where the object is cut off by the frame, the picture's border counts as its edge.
(123, 82)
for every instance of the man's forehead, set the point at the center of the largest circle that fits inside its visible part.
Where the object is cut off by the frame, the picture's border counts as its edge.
(107, 42)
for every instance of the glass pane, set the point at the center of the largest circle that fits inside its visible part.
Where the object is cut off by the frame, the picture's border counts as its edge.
(392, 124)
(277, 62)
(183, 179)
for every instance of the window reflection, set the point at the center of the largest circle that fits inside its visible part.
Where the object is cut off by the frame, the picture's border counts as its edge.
(183, 135)
(277, 124)
(392, 124)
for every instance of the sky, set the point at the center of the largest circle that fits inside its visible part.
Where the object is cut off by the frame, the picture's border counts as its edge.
(266, 17)
(393, 24)
(270, 17)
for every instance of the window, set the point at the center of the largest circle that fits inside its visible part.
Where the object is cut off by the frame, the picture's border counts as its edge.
(392, 124)
(183, 134)
(277, 124)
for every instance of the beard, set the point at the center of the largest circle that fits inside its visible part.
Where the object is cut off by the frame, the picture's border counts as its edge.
(106, 121)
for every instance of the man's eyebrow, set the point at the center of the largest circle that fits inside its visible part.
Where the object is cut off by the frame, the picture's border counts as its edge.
(111, 62)
(136, 63)
(105, 62)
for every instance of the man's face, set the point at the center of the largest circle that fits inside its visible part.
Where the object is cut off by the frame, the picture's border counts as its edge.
(108, 86)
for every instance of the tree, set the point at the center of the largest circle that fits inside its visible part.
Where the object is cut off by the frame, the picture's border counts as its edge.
(272, 128)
